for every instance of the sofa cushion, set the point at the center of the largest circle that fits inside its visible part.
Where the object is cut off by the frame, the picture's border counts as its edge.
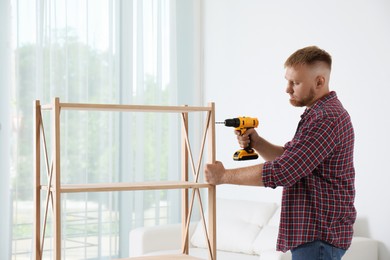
(238, 225)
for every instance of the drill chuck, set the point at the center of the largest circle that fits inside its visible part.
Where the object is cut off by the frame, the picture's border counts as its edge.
(234, 122)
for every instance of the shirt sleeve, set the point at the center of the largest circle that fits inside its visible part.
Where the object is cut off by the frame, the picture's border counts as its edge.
(312, 143)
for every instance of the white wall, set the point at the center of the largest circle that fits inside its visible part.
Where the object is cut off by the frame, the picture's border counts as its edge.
(246, 44)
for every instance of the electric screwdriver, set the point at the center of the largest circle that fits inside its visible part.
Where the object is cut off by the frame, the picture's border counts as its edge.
(242, 124)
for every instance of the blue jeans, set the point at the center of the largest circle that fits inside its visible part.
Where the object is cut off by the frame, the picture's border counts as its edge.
(317, 250)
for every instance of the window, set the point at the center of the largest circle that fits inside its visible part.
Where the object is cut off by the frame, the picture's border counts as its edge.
(102, 51)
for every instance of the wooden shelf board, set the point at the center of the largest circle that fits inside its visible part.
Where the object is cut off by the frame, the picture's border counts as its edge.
(164, 257)
(98, 187)
(55, 106)
(128, 108)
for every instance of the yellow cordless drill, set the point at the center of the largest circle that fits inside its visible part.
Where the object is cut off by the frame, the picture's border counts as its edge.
(242, 124)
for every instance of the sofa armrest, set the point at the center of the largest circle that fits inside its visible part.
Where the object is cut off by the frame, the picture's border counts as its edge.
(146, 240)
(362, 248)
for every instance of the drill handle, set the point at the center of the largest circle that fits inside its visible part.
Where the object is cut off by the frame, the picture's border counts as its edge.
(242, 130)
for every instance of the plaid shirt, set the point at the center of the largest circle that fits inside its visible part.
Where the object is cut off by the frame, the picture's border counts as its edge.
(317, 173)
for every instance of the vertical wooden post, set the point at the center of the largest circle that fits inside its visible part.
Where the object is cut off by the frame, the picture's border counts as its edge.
(184, 177)
(37, 181)
(55, 188)
(212, 209)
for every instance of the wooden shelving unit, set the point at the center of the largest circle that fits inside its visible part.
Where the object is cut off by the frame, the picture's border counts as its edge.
(54, 188)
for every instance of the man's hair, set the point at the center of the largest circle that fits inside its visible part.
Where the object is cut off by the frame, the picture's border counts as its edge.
(309, 56)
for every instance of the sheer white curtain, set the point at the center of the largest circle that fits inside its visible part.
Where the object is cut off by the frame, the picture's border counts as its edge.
(5, 128)
(102, 51)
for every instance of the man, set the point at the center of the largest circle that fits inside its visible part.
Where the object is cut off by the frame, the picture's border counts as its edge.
(315, 168)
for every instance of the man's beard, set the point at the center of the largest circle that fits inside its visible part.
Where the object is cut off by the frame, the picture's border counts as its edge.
(308, 100)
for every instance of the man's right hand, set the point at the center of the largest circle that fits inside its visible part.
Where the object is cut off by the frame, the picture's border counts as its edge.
(264, 148)
(248, 139)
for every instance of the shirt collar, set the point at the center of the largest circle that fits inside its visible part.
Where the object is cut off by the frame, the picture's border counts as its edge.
(318, 104)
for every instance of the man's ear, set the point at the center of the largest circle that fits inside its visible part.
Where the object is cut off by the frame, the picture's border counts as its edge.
(320, 81)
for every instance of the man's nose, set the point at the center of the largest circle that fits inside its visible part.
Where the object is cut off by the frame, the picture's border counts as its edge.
(289, 89)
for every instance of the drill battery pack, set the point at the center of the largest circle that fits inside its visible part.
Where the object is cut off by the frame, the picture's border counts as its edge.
(245, 154)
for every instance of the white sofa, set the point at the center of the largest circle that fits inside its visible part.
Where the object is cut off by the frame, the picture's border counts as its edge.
(246, 230)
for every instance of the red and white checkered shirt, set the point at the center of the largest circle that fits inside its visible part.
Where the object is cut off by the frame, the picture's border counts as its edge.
(318, 176)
